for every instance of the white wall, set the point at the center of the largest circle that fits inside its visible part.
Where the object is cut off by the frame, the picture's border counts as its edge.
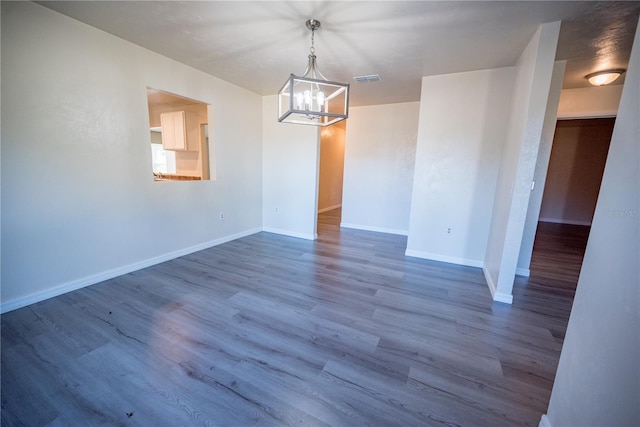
(460, 137)
(540, 172)
(290, 174)
(378, 171)
(528, 106)
(79, 202)
(589, 102)
(332, 140)
(598, 378)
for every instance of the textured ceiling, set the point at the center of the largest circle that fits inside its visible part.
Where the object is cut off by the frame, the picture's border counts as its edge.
(257, 44)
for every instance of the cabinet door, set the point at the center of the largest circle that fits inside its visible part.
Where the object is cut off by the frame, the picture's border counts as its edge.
(173, 131)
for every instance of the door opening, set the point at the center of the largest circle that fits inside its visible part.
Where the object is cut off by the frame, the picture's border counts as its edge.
(332, 143)
(578, 157)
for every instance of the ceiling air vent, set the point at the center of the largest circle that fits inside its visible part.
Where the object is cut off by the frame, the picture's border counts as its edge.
(367, 79)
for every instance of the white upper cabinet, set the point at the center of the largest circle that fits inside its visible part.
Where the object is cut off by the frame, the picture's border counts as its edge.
(180, 131)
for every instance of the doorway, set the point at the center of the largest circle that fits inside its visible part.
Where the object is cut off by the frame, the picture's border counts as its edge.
(576, 165)
(331, 171)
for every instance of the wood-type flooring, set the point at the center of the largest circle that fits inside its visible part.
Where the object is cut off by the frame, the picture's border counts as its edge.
(558, 253)
(270, 330)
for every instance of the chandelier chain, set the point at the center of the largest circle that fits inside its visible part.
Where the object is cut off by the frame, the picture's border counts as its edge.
(313, 49)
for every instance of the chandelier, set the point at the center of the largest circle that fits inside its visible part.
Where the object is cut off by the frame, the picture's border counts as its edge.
(311, 99)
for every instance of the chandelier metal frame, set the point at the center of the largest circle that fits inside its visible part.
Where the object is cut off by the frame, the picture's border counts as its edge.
(312, 99)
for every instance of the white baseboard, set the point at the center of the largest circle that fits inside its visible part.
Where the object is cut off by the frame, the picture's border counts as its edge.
(564, 221)
(330, 208)
(523, 272)
(443, 258)
(487, 277)
(502, 297)
(376, 229)
(290, 233)
(544, 421)
(119, 271)
(497, 296)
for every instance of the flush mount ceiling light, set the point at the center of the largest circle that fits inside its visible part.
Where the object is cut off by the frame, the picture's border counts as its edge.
(311, 99)
(603, 78)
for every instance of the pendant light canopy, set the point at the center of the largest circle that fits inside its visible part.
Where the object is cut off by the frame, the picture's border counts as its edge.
(311, 99)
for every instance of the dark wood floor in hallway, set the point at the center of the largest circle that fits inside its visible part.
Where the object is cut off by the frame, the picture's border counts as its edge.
(270, 330)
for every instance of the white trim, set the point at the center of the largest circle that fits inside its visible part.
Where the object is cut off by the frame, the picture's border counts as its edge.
(544, 421)
(444, 258)
(564, 221)
(523, 272)
(290, 233)
(330, 208)
(592, 115)
(487, 277)
(376, 229)
(497, 296)
(502, 297)
(115, 272)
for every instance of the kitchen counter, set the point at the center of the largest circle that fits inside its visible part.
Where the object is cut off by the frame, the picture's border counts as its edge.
(174, 177)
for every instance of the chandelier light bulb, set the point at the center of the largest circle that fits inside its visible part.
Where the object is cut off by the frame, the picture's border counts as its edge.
(320, 100)
(307, 100)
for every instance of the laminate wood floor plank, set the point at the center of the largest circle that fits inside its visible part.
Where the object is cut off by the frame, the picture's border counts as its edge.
(25, 377)
(401, 405)
(270, 330)
(305, 392)
(474, 394)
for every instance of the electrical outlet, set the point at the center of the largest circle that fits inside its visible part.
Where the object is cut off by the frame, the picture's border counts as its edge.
(449, 230)
(221, 216)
